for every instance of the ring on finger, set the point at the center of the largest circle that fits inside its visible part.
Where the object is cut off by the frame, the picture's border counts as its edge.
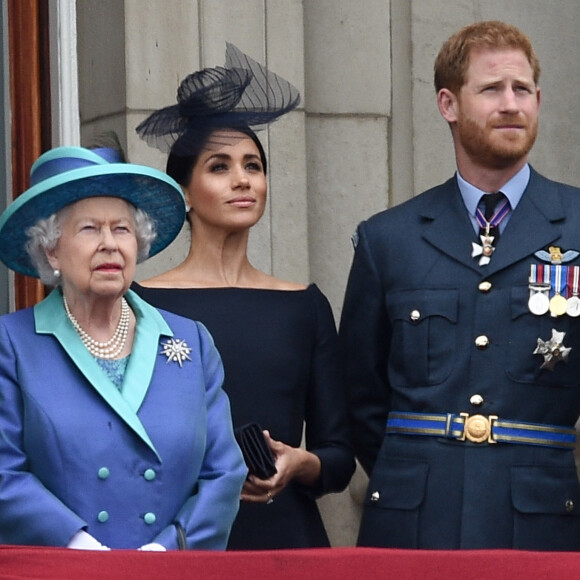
(269, 496)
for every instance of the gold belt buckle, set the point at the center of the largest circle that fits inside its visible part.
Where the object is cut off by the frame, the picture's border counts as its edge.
(477, 428)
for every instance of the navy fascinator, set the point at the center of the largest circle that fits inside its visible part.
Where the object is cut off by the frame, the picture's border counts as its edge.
(240, 95)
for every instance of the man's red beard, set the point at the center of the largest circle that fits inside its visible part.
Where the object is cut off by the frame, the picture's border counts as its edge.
(485, 147)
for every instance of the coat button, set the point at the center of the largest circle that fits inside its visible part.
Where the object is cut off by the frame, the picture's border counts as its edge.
(149, 518)
(484, 286)
(375, 496)
(103, 473)
(569, 505)
(476, 400)
(150, 474)
(482, 342)
(103, 516)
(415, 315)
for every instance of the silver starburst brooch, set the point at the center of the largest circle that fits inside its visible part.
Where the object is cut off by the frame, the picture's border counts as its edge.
(176, 350)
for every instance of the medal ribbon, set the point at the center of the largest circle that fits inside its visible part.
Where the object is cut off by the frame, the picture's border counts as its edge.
(573, 280)
(540, 274)
(497, 217)
(559, 279)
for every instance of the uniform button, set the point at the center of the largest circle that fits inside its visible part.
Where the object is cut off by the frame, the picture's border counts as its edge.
(476, 400)
(484, 286)
(149, 518)
(569, 505)
(103, 516)
(150, 474)
(482, 342)
(375, 496)
(103, 473)
(415, 315)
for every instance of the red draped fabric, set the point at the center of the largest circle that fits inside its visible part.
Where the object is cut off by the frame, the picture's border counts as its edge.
(326, 564)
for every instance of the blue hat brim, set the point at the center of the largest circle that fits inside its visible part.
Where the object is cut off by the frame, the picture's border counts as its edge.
(144, 187)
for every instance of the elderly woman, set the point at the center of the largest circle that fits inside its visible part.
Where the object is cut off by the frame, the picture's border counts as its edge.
(277, 338)
(114, 428)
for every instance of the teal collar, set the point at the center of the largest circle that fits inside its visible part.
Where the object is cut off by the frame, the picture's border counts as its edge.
(50, 318)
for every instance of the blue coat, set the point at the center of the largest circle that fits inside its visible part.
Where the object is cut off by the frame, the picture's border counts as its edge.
(76, 453)
(416, 302)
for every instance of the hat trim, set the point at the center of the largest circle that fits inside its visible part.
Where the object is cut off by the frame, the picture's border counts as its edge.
(39, 196)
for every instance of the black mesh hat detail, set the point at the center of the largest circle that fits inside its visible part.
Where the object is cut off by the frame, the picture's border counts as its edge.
(242, 94)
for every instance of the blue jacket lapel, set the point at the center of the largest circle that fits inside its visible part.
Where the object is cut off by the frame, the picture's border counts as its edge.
(50, 318)
(150, 327)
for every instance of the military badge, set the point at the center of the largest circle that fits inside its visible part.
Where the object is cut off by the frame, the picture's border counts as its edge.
(553, 350)
(554, 286)
(554, 255)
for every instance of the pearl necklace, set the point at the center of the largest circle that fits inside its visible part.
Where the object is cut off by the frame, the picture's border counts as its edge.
(113, 347)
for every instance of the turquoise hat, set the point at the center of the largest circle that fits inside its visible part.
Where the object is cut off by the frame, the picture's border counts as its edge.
(67, 174)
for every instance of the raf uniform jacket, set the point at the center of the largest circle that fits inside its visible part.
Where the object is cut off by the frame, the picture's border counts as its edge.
(426, 329)
(131, 466)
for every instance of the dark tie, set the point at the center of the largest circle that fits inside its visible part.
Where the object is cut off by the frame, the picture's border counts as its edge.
(491, 201)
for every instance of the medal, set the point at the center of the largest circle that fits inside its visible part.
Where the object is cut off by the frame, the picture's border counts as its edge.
(539, 284)
(553, 350)
(558, 276)
(573, 308)
(558, 305)
(486, 249)
(539, 303)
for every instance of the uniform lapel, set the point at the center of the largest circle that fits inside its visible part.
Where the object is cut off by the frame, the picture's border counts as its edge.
(447, 225)
(533, 225)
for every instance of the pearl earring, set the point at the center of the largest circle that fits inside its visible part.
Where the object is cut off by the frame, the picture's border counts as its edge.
(56, 273)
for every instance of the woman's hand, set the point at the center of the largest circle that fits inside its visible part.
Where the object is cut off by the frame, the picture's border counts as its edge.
(292, 463)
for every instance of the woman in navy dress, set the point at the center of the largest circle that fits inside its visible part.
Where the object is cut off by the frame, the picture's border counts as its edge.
(277, 338)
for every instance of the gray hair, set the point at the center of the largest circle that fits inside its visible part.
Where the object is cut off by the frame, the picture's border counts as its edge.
(45, 234)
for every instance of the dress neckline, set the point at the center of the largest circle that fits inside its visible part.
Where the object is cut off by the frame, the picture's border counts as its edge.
(223, 288)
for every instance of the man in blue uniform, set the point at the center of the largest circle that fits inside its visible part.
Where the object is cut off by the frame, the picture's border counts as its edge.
(460, 328)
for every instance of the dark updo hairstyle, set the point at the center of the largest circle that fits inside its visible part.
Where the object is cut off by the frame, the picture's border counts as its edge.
(180, 167)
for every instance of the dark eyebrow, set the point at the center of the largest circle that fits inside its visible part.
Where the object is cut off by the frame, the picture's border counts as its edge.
(227, 157)
(221, 156)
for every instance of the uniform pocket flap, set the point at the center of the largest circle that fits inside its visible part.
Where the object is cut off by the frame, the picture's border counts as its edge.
(520, 296)
(398, 484)
(545, 490)
(425, 303)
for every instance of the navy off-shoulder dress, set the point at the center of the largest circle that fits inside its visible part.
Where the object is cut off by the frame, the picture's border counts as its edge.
(279, 350)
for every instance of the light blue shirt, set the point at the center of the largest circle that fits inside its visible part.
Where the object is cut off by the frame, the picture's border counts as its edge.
(513, 190)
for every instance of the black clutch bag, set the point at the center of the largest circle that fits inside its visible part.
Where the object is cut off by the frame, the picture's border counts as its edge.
(257, 454)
